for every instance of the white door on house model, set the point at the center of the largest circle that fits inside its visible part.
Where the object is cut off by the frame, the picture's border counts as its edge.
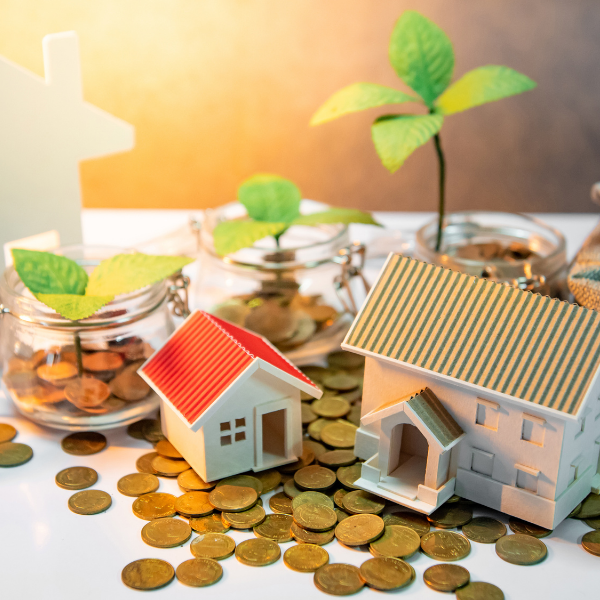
(272, 439)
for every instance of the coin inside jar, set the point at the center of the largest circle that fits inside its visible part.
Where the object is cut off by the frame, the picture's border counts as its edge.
(445, 545)
(199, 572)
(258, 552)
(479, 590)
(387, 574)
(358, 530)
(276, 527)
(87, 392)
(83, 443)
(306, 558)
(57, 374)
(521, 549)
(338, 579)
(102, 361)
(14, 454)
(166, 533)
(194, 504)
(129, 386)
(76, 478)
(446, 578)
(217, 546)
(397, 541)
(154, 506)
(89, 502)
(147, 574)
(484, 530)
(233, 498)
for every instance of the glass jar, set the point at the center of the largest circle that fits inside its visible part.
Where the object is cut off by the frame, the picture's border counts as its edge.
(505, 247)
(41, 370)
(301, 295)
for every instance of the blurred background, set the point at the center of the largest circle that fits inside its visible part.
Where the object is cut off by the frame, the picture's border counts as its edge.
(221, 89)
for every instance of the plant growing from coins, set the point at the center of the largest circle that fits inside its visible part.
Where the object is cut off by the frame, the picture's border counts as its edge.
(423, 57)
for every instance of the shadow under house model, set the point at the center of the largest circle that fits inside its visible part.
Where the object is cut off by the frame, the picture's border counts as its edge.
(230, 400)
(479, 389)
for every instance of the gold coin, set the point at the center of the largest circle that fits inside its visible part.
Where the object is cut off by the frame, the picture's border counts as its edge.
(194, 504)
(360, 502)
(144, 463)
(397, 541)
(243, 481)
(307, 458)
(416, 521)
(166, 449)
(593, 523)
(307, 415)
(348, 475)
(154, 506)
(209, 524)
(446, 578)
(147, 574)
(315, 428)
(169, 467)
(83, 443)
(341, 514)
(89, 502)
(341, 382)
(304, 536)
(334, 459)
(166, 533)
(280, 503)
(339, 579)
(13, 454)
(338, 498)
(129, 386)
(136, 430)
(445, 545)
(521, 549)
(331, 407)
(190, 481)
(99, 362)
(57, 374)
(290, 489)
(591, 542)
(270, 480)
(451, 515)
(341, 359)
(314, 478)
(245, 519)
(359, 529)
(258, 552)
(316, 448)
(76, 478)
(137, 484)
(212, 545)
(315, 517)
(311, 498)
(306, 558)
(153, 431)
(590, 507)
(573, 514)
(479, 590)
(7, 432)
(87, 392)
(484, 530)
(276, 527)
(199, 572)
(519, 526)
(387, 573)
(339, 435)
(233, 498)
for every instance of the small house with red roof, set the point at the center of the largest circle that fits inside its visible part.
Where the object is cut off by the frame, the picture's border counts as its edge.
(230, 400)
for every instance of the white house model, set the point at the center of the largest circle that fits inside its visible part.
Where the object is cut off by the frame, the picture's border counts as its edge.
(479, 389)
(230, 400)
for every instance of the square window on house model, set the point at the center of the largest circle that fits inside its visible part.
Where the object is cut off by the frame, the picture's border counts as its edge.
(527, 478)
(488, 414)
(240, 436)
(533, 429)
(240, 423)
(225, 440)
(226, 426)
(482, 462)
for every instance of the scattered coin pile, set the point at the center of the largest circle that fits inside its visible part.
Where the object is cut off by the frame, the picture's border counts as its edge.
(12, 454)
(484, 251)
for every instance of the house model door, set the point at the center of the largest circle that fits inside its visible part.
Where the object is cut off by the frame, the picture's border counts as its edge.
(272, 439)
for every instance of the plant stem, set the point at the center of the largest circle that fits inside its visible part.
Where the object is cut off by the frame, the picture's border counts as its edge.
(442, 201)
(78, 354)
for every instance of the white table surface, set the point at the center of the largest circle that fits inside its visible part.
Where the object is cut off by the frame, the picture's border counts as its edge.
(46, 551)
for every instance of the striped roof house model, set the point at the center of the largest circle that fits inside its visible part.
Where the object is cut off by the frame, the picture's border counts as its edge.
(478, 389)
(230, 400)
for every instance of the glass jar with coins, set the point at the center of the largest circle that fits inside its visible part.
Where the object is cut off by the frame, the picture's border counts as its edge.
(300, 291)
(82, 375)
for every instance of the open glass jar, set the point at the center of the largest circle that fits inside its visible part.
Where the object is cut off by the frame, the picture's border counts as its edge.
(300, 295)
(43, 370)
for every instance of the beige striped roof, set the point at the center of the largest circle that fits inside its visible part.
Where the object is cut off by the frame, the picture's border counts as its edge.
(525, 345)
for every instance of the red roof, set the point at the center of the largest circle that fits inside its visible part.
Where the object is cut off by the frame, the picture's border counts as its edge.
(203, 358)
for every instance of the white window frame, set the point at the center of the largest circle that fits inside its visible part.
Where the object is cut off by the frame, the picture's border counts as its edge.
(488, 405)
(529, 471)
(484, 455)
(535, 420)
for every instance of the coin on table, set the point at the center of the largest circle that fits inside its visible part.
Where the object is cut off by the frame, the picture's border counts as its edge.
(314, 478)
(341, 514)
(573, 514)
(190, 481)
(446, 578)
(590, 507)
(194, 504)
(521, 549)
(339, 579)
(451, 515)
(209, 524)
(397, 541)
(338, 498)
(245, 519)
(359, 529)
(276, 527)
(270, 480)
(13, 454)
(307, 415)
(387, 573)
(341, 382)
(306, 558)
(199, 572)
(153, 431)
(348, 475)
(334, 459)
(339, 435)
(243, 481)
(258, 552)
(307, 458)
(593, 523)
(166, 449)
(519, 526)
(147, 574)
(89, 502)
(76, 478)
(479, 590)
(7, 432)
(136, 430)
(144, 463)
(212, 545)
(331, 407)
(484, 530)
(233, 498)
(290, 489)
(57, 374)
(591, 542)
(83, 443)
(87, 392)
(311, 498)
(166, 533)
(137, 484)
(445, 545)
(315, 447)
(304, 536)
(416, 521)
(154, 506)
(315, 428)
(169, 467)
(359, 502)
(281, 503)
(315, 517)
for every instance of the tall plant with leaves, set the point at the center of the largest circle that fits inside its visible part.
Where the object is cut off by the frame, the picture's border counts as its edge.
(423, 57)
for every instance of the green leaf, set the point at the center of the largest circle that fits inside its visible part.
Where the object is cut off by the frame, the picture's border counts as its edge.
(126, 273)
(72, 306)
(480, 86)
(336, 215)
(231, 236)
(396, 137)
(421, 55)
(270, 198)
(47, 273)
(356, 97)
(591, 273)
